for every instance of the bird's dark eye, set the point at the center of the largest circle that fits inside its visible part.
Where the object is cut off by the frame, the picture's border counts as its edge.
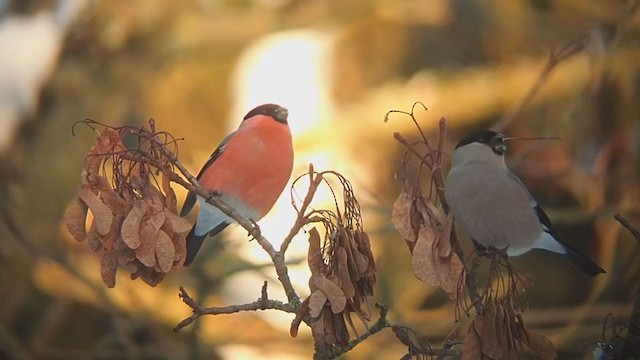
(497, 145)
(499, 148)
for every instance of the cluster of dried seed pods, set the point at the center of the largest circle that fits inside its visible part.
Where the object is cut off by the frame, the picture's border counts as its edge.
(499, 333)
(134, 224)
(343, 273)
(427, 234)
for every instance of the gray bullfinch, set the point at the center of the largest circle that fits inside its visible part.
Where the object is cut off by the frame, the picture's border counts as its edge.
(494, 208)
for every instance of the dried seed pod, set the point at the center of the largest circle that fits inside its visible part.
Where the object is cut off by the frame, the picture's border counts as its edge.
(332, 291)
(101, 213)
(346, 284)
(93, 238)
(164, 252)
(303, 310)
(75, 219)
(108, 268)
(147, 249)
(317, 300)
(130, 230)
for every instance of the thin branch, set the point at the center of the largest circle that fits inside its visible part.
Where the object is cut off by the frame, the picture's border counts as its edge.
(249, 225)
(380, 325)
(263, 303)
(553, 60)
(302, 220)
(438, 178)
(624, 222)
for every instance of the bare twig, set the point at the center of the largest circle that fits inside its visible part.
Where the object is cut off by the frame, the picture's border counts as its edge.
(263, 303)
(437, 177)
(381, 324)
(302, 219)
(555, 58)
(624, 222)
(211, 198)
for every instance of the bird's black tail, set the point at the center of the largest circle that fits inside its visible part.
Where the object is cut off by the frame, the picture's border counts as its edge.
(194, 242)
(583, 263)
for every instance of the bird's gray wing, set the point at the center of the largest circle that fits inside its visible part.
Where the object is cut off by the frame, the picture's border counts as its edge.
(580, 261)
(190, 201)
(542, 216)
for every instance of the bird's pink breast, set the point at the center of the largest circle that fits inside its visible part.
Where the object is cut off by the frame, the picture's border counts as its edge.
(255, 165)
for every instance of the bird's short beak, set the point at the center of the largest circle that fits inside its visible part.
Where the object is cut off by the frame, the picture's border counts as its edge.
(282, 114)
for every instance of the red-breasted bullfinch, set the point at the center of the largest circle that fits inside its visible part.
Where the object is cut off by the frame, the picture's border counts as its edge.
(249, 170)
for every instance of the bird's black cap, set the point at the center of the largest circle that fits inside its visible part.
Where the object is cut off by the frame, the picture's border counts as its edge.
(493, 139)
(277, 112)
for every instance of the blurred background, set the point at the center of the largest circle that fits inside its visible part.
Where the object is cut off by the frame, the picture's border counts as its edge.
(197, 66)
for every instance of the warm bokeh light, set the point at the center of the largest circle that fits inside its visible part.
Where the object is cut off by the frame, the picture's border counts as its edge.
(197, 67)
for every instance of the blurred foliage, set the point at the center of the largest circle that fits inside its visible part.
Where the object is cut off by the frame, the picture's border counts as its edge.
(126, 61)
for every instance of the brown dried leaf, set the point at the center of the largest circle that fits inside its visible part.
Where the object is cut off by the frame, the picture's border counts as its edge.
(171, 202)
(102, 215)
(176, 224)
(451, 274)
(301, 313)
(500, 325)
(314, 255)
(108, 268)
(113, 238)
(541, 346)
(108, 142)
(444, 236)
(180, 246)
(362, 263)
(116, 204)
(340, 330)
(146, 252)
(472, 345)
(75, 219)
(364, 244)
(127, 259)
(318, 329)
(329, 329)
(346, 283)
(156, 219)
(345, 241)
(154, 198)
(93, 238)
(402, 220)
(317, 300)
(334, 294)
(429, 267)
(130, 230)
(149, 276)
(487, 331)
(164, 252)
(422, 259)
